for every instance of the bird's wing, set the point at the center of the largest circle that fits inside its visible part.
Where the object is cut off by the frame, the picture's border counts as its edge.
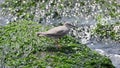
(57, 30)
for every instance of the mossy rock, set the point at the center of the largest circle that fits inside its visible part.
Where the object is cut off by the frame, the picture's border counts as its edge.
(107, 31)
(21, 48)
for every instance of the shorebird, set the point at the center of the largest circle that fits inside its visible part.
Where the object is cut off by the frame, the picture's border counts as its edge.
(57, 32)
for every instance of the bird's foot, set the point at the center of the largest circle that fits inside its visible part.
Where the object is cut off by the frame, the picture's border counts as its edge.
(58, 47)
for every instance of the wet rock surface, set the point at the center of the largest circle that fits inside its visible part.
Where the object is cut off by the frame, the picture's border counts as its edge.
(106, 47)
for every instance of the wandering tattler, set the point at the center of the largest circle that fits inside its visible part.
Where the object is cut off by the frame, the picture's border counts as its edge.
(57, 32)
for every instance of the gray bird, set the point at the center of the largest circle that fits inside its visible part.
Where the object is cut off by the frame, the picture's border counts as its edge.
(57, 32)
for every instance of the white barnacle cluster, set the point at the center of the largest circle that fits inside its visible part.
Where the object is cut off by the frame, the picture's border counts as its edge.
(82, 33)
(117, 29)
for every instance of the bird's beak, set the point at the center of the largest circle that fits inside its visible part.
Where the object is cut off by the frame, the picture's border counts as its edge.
(72, 25)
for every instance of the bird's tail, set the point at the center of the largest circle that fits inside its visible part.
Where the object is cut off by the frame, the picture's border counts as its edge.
(40, 34)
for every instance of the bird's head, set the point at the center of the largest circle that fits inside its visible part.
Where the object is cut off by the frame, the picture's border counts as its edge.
(68, 25)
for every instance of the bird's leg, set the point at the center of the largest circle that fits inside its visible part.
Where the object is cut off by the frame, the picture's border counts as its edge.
(57, 43)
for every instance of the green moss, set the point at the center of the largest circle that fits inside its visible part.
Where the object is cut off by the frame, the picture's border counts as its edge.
(20, 47)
